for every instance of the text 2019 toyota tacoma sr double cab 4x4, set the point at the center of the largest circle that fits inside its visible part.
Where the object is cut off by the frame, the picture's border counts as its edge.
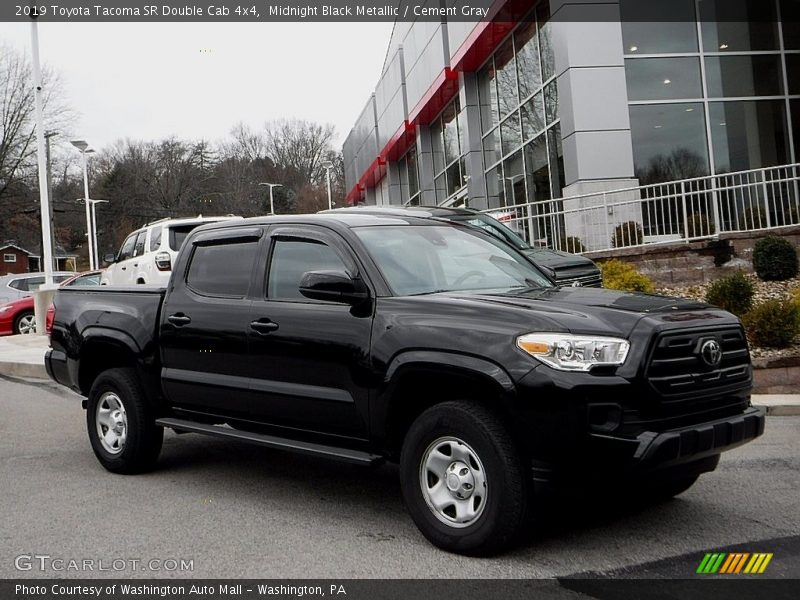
(370, 337)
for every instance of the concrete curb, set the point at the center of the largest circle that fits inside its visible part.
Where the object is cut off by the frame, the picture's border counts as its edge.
(21, 369)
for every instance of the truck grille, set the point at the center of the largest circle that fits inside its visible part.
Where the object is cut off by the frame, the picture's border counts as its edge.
(678, 370)
(595, 280)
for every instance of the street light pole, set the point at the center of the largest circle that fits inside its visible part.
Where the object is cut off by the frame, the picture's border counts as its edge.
(44, 199)
(83, 147)
(328, 165)
(271, 204)
(94, 204)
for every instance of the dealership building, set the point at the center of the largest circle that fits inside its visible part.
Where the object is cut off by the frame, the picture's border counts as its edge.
(567, 99)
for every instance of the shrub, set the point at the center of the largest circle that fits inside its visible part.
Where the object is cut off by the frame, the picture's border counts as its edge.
(619, 275)
(627, 234)
(700, 225)
(775, 259)
(773, 324)
(734, 293)
(572, 244)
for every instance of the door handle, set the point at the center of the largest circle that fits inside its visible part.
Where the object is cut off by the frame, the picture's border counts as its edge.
(263, 326)
(124, 268)
(179, 319)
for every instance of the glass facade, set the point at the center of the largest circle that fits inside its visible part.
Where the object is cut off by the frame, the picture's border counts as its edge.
(714, 93)
(521, 134)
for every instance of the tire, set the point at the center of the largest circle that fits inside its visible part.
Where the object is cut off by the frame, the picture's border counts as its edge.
(25, 323)
(482, 491)
(118, 400)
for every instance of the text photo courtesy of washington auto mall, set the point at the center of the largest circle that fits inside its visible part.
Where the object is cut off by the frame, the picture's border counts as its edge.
(400, 299)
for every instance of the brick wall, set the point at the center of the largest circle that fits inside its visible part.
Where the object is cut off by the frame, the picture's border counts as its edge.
(696, 262)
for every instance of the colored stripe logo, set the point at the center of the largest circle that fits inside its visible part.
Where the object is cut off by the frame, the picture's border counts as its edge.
(734, 563)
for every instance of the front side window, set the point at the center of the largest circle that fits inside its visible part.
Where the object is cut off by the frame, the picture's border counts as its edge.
(291, 259)
(429, 259)
(126, 251)
(85, 280)
(222, 269)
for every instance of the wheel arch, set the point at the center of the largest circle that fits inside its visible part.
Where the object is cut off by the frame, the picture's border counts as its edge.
(103, 349)
(416, 381)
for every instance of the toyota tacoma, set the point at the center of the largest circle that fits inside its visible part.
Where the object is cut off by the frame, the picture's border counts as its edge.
(369, 338)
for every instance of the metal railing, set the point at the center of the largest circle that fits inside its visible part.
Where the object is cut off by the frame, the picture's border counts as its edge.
(674, 211)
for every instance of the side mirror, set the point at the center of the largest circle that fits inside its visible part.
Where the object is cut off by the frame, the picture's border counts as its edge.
(109, 259)
(333, 286)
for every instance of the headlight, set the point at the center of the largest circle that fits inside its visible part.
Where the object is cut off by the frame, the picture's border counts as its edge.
(567, 352)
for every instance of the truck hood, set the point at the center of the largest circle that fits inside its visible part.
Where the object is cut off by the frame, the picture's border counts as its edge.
(586, 310)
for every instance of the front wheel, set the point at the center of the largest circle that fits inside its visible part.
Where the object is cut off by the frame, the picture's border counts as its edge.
(463, 479)
(121, 423)
(25, 323)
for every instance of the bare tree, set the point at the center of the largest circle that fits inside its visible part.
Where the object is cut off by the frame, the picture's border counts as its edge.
(17, 126)
(298, 148)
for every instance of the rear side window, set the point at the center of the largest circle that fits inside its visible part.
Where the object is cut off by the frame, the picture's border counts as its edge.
(155, 238)
(178, 234)
(19, 284)
(138, 248)
(222, 269)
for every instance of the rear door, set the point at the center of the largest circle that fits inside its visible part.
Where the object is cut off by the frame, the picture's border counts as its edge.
(120, 270)
(308, 358)
(205, 323)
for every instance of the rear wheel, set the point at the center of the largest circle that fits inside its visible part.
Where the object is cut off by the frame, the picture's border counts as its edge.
(463, 479)
(25, 323)
(121, 423)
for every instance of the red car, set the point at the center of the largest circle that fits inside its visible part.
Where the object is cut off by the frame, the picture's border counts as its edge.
(16, 317)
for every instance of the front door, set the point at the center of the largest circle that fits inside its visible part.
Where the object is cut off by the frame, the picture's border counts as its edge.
(308, 358)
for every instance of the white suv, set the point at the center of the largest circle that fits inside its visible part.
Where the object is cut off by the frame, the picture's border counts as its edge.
(147, 255)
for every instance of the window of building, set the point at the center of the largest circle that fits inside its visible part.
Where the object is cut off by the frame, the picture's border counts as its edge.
(663, 78)
(646, 32)
(223, 269)
(409, 178)
(716, 104)
(670, 142)
(738, 25)
(291, 259)
(754, 75)
(9, 258)
(447, 138)
(749, 135)
(521, 130)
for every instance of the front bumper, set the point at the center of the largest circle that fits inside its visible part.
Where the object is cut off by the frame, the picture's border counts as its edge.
(656, 450)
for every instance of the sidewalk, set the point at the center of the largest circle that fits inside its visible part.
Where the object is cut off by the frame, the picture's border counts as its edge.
(23, 356)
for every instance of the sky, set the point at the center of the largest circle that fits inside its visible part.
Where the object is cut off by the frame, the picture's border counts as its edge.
(197, 80)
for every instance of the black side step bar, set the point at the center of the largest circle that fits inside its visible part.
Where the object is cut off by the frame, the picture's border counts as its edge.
(342, 454)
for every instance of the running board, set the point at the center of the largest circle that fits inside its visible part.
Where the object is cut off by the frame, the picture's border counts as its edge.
(270, 441)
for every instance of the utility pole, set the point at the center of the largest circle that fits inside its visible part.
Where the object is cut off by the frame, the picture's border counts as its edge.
(47, 136)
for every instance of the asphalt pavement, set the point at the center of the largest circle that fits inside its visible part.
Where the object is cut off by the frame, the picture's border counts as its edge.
(235, 510)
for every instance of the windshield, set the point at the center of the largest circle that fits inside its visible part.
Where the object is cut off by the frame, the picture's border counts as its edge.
(420, 259)
(494, 227)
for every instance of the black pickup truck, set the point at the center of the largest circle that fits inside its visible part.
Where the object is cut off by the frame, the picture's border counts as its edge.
(367, 338)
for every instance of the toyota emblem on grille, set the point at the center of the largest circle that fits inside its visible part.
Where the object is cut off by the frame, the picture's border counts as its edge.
(711, 352)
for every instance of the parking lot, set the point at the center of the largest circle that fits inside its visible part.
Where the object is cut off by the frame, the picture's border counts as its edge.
(234, 510)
